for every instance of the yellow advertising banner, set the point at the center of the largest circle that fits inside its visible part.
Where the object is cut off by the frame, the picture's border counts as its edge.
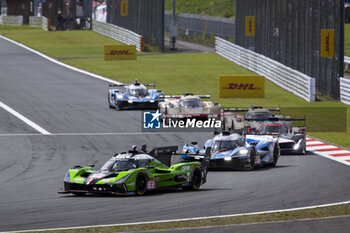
(250, 26)
(241, 86)
(327, 42)
(124, 8)
(119, 52)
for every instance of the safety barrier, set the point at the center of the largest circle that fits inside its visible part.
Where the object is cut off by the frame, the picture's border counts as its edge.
(347, 63)
(12, 20)
(120, 34)
(289, 79)
(43, 22)
(345, 90)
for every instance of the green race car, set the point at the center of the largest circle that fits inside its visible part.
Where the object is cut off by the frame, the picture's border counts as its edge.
(135, 172)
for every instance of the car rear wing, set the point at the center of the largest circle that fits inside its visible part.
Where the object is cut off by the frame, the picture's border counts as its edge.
(117, 85)
(278, 109)
(163, 154)
(151, 84)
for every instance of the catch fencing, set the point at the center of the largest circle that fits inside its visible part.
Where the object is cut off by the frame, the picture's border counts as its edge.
(12, 20)
(120, 34)
(289, 79)
(345, 90)
(192, 25)
(289, 31)
(144, 17)
(43, 22)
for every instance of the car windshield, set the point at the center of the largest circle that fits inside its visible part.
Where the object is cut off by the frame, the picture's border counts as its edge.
(220, 145)
(191, 103)
(138, 91)
(272, 129)
(119, 165)
(258, 115)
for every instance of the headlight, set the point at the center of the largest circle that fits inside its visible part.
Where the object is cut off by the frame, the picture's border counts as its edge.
(243, 152)
(130, 101)
(227, 158)
(152, 101)
(120, 97)
(297, 146)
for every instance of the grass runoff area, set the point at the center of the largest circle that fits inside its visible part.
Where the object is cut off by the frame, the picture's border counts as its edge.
(221, 8)
(174, 73)
(321, 212)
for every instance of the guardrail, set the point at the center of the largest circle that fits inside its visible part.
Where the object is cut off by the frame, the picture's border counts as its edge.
(347, 63)
(43, 22)
(120, 34)
(194, 25)
(12, 20)
(289, 79)
(345, 90)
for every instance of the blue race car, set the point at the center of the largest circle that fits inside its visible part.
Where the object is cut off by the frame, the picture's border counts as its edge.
(135, 96)
(232, 151)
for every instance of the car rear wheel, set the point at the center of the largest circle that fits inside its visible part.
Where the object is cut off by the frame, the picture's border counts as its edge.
(196, 179)
(141, 183)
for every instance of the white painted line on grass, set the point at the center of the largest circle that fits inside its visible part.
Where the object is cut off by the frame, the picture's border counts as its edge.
(61, 63)
(24, 119)
(189, 219)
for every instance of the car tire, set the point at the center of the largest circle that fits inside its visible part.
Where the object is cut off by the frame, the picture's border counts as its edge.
(252, 159)
(117, 106)
(275, 155)
(303, 150)
(196, 179)
(141, 184)
(109, 102)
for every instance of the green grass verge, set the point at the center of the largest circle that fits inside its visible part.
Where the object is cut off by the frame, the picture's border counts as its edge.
(338, 210)
(221, 8)
(347, 39)
(59, 43)
(174, 73)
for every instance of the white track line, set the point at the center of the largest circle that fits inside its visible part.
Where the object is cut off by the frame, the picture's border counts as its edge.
(24, 119)
(61, 63)
(189, 219)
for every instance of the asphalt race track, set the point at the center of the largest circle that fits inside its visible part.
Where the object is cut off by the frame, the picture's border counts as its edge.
(73, 108)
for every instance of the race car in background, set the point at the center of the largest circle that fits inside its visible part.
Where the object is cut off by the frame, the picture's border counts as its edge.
(251, 120)
(188, 106)
(290, 139)
(231, 151)
(135, 96)
(136, 172)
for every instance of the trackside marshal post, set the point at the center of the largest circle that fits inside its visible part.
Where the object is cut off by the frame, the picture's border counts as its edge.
(119, 52)
(241, 87)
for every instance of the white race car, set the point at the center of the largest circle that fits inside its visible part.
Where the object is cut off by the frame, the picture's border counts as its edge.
(189, 106)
